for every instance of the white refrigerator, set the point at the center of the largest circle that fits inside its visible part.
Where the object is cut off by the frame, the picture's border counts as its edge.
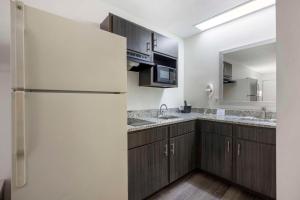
(69, 121)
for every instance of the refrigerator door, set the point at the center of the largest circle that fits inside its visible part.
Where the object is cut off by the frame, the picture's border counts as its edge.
(54, 53)
(69, 146)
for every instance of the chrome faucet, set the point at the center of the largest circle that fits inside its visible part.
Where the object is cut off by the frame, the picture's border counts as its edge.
(163, 111)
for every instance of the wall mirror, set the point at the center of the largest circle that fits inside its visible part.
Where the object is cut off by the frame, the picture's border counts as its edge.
(248, 73)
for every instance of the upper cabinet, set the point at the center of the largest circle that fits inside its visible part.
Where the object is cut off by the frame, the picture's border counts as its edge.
(164, 45)
(139, 39)
(154, 56)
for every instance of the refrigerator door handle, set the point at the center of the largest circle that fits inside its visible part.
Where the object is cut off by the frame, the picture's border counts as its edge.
(19, 138)
(17, 45)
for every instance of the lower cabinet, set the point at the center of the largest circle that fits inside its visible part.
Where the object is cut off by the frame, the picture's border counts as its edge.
(245, 155)
(225, 157)
(256, 166)
(216, 156)
(210, 153)
(155, 159)
(148, 169)
(182, 155)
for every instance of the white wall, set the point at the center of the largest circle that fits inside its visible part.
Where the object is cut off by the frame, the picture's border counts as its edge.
(5, 136)
(202, 51)
(269, 86)
(288, 95)
(95, 11)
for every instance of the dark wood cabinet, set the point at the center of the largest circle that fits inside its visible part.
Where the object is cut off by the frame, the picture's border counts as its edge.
(182, 128)
(138, 37)
(146, 49)
(225, 157)
(256, 161)
(147, 136)
(182, 155)
(242, 154)
(216, 148)
(165, 45)
(245, 155)
(147, 169)
(210, 155)
(155, 159)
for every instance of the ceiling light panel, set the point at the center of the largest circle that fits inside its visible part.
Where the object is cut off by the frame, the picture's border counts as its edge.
(235, 13)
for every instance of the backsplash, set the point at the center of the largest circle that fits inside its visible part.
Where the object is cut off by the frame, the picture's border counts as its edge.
(148, 113)
(155, 112)
(237, 112)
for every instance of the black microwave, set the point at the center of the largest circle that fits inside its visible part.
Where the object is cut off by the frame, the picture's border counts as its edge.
(164, 74)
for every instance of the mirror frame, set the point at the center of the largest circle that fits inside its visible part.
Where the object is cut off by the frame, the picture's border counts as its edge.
(221, 66)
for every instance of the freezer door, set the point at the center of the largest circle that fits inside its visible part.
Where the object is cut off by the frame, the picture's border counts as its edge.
(75, 147)
(54, 53)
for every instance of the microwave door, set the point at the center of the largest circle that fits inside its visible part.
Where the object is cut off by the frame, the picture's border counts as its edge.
(162, 74)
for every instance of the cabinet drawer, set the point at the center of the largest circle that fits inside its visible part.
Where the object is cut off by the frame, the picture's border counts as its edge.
(147, 136)
(182, 128)
(258, 134)
(224, 129)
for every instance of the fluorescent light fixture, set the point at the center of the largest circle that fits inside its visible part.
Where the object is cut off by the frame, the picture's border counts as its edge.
(235, 13)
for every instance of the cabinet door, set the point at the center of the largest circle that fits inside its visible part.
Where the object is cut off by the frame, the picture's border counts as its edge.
(165, 45)
(182, 155)
(256, 167)
(147, 169)
(217, 155)
(210, 158)
(138, 38)
(225, 157)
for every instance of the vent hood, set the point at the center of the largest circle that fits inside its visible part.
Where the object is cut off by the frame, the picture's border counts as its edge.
(137, 66)
(138, 61)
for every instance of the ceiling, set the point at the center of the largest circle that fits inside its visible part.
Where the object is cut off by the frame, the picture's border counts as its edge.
(175, 16)
(261, 59)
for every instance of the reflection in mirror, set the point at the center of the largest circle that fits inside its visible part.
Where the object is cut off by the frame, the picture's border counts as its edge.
(249, 74)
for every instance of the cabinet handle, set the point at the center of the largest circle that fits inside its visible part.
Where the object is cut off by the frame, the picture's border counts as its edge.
(173, 148)
(239, 149)
(228, 146)
(18, 45)
(148, 46)
(166, 150)
(19, 152)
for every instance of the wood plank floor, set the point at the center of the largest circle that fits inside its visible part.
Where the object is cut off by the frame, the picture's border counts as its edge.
(201, 186)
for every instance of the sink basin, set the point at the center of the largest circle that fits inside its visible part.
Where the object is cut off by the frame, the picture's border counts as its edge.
(138, 122)
(168, 117)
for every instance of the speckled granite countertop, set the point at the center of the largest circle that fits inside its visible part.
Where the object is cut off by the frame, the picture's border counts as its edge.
(251, 121)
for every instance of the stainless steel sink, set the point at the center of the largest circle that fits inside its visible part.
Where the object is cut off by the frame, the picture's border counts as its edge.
(168, 117)
(138, 122)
